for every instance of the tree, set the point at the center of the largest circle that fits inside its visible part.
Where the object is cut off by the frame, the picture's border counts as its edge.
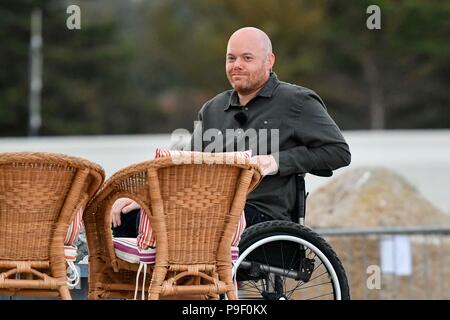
(397, 70)
(148, 66)
(86, 87)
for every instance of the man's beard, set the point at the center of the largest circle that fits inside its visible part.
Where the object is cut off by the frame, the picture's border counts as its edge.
(252, 83)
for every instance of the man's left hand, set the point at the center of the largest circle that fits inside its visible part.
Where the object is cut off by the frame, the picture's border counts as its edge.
(267, 164)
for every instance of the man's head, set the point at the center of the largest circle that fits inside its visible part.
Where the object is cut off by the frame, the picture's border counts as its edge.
(249, 59)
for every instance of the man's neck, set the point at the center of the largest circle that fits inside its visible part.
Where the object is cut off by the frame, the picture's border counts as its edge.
(245, 98)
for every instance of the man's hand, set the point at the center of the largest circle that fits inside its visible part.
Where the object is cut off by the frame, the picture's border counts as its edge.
(267, 164)
(123, 205)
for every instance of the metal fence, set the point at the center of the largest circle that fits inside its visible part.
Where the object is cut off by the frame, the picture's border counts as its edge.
(380, 263)
(395, 262)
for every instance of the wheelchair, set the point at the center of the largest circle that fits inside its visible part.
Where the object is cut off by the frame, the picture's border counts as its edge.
(285, 260)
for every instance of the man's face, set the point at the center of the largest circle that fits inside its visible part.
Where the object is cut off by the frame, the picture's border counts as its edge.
(247, 64)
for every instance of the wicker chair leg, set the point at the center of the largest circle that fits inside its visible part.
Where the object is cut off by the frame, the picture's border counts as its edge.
(96, 291)
(225, 274)
(93, 296)
(231, 295)
(65, 293)
(158, 277)
(153, 296)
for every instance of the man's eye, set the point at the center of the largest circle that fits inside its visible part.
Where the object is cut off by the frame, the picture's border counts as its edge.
(230, 58)
(247, 58)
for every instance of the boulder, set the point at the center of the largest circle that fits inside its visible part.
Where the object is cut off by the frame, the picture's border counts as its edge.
(378, 197)
(370, 197)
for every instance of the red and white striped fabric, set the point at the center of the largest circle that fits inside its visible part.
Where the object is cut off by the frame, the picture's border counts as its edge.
(70, 250)
(74, 228)
(72, 234)
(128, 250)
(239, 230)
(145, 237)
(70, 253)
(239, 157)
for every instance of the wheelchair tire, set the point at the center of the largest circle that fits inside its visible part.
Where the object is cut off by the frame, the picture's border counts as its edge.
(282, 260)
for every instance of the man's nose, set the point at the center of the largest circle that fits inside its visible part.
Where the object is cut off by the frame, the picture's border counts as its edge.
(237, 64)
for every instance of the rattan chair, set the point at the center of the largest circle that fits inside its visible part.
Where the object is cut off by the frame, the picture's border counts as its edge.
(39, 195)
(193, 210)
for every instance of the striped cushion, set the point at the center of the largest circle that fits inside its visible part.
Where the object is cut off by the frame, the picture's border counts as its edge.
(70, 253)
(238, 157)
(128, 250)
(74, 228)
(239, 230)
(145, 237)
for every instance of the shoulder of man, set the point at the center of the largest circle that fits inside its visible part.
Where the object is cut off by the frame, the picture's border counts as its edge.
(301, 95)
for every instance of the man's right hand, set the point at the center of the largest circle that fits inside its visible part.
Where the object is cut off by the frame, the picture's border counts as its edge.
(267, 164)
(123, 205)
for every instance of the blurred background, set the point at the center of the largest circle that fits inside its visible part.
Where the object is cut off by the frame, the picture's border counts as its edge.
(139, 66)
(114, 90)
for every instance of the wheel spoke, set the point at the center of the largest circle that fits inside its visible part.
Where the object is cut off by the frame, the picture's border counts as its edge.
(278, 262)
(322, 295)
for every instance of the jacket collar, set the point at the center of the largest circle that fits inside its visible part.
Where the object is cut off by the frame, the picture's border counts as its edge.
(266, 91)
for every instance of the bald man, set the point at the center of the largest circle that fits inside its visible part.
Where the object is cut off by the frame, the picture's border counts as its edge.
(294, 132)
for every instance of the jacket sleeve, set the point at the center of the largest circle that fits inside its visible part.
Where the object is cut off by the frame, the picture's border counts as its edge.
(321, 145)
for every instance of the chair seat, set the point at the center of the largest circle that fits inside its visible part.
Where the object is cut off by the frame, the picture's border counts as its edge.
(70, 253)
(128, 250)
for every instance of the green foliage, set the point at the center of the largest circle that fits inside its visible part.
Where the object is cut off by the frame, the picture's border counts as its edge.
(148, 66)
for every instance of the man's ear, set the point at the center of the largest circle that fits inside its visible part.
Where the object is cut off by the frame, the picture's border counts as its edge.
(270, 60)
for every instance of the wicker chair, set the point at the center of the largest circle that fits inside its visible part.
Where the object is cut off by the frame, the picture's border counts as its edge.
(39, 195)
(193, 210)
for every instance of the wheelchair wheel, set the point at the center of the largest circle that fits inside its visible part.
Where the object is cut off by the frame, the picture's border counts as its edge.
(281, 260)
